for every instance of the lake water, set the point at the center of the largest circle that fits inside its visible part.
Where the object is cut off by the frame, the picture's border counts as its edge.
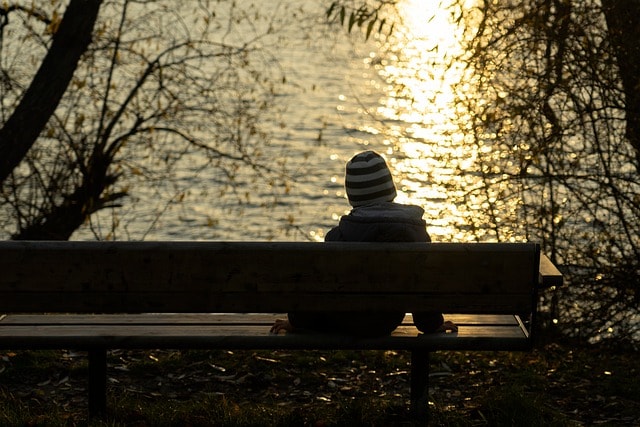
(338, 101)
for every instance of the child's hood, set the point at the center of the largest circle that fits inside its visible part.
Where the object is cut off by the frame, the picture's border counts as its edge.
(368, 222)
(394, 211)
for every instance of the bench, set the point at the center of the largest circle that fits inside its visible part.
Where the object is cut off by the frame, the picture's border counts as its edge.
(99, 296)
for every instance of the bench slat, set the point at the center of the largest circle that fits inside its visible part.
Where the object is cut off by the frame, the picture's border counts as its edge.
(185, 302)
(182, 331)
(504, 272)
(251, 337)
(214, 318)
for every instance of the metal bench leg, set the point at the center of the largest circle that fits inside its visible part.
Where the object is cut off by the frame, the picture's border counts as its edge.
(97, 382)
(420, 386)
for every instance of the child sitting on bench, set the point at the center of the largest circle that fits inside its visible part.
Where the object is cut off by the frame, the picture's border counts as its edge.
(374, 218)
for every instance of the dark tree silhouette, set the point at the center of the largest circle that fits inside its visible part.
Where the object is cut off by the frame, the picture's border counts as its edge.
(41, 99)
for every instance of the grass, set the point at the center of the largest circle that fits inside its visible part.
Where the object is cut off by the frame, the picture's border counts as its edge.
(556, 385)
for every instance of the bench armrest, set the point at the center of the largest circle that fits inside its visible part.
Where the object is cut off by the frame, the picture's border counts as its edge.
(549, 274)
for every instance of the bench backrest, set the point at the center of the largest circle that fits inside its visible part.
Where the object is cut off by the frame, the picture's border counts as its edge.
(132, 277)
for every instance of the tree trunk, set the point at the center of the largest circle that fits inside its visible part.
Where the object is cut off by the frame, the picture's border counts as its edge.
(49, 84)
(623, 22)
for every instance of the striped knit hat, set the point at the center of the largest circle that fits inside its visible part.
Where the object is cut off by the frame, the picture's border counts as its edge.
(368, 180)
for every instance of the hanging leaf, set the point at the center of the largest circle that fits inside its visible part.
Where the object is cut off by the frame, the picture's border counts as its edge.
(352, 20)
(382, 22)
(330, 10)
(369, 28)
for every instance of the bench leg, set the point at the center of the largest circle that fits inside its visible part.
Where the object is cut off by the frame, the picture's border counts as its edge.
(97, 382)
(420, 386)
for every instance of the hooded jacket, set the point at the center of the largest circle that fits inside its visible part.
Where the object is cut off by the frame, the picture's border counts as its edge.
(381, 222)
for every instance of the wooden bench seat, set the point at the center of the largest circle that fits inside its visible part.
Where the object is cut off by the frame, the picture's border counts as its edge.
(244, 331)
(99, 296)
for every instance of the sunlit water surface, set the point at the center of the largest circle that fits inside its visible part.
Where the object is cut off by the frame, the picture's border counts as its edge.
(345, 95)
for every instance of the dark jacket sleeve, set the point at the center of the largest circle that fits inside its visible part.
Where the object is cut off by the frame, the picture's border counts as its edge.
(334, 235)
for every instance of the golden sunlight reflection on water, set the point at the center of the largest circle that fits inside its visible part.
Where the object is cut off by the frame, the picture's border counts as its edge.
(434, 161)
(343, 94)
